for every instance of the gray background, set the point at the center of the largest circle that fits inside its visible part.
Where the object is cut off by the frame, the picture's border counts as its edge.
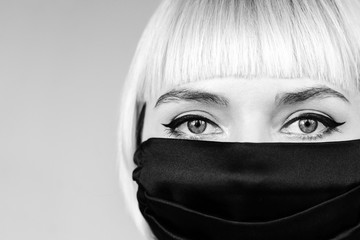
(62, 63)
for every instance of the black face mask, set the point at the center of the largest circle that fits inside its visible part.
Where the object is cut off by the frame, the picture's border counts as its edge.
(202, 190)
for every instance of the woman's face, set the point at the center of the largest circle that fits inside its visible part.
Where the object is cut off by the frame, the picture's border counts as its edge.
(255, 110)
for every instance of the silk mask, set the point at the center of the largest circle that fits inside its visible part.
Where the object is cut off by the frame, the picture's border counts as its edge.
(197, 190)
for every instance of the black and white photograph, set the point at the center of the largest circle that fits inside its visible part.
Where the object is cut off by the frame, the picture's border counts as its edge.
(180, 119)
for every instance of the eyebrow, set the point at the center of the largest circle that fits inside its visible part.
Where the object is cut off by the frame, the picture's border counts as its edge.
(320, 92)
(192, 96)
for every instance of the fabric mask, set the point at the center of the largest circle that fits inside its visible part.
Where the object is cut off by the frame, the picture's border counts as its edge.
(203, 190)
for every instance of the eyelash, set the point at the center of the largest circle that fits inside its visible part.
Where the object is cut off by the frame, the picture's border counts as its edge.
(328, 122)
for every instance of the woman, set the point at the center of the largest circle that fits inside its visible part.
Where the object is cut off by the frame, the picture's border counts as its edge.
(268, 93)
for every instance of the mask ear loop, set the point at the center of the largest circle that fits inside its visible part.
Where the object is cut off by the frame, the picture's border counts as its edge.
(139, 125)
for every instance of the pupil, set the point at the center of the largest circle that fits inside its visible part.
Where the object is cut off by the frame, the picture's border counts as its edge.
(197, 126)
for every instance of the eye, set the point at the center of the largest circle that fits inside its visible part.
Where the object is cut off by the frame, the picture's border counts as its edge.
(310, 126)
(192, 126)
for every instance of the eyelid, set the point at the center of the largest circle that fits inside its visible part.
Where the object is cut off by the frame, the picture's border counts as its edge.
(322, 118)
(302, 112)
(197, 113)
(177, 121)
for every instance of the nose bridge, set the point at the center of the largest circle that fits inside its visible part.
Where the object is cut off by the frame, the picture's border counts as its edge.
(253, 126)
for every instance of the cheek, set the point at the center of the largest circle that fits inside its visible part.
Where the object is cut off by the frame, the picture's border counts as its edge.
(146, 131)
(351, 129)
(152, 127)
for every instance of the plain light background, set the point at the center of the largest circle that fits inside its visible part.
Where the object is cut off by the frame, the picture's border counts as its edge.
(62, 63)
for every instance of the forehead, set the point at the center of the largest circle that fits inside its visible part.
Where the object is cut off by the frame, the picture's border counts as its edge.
(223, 90)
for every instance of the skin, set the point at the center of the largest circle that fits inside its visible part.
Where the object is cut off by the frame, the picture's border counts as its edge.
(254, 114)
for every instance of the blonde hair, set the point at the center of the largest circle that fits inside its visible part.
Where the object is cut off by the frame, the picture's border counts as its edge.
(190, 40)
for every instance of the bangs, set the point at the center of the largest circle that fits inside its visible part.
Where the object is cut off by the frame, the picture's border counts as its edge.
(191, 40)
